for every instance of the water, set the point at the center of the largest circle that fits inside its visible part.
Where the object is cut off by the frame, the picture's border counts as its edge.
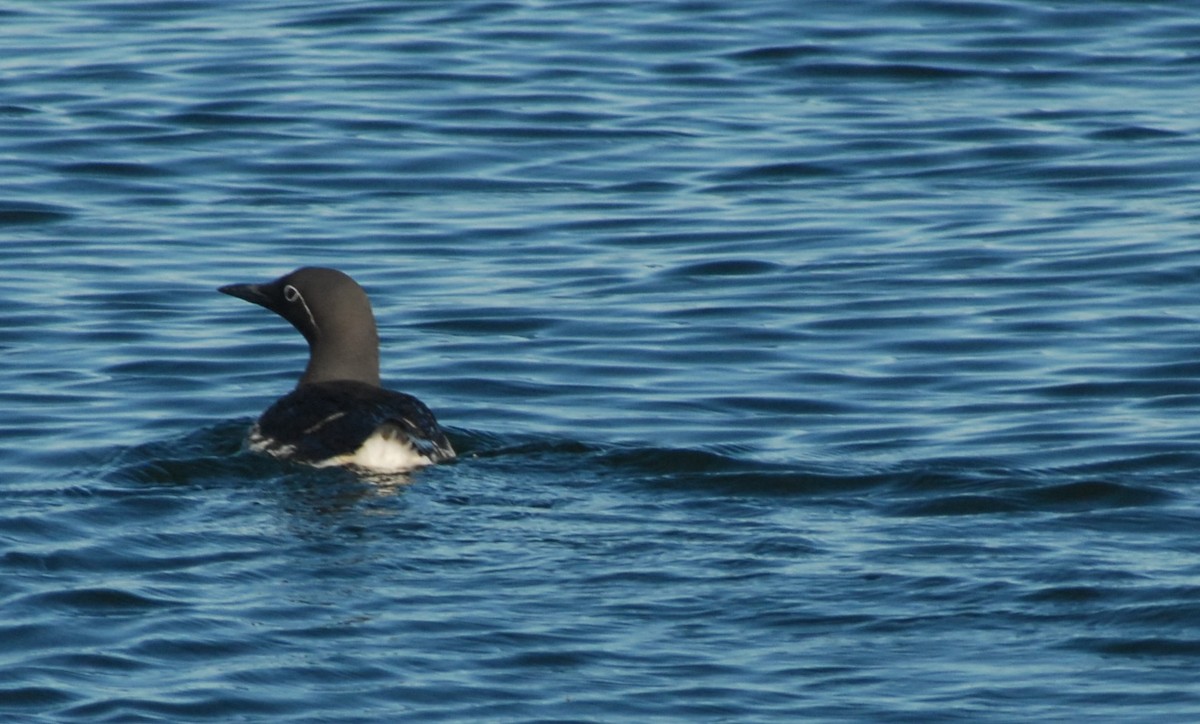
(829, 361)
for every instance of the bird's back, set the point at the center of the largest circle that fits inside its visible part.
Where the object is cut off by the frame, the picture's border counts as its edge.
(352, 423)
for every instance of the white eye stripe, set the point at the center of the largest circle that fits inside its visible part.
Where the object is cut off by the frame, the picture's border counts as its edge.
(292, 294)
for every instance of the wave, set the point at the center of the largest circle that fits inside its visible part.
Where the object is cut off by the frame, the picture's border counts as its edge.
(216, 455)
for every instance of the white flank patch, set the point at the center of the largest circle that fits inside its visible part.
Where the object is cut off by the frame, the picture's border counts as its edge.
(381, 453)
(258, 443)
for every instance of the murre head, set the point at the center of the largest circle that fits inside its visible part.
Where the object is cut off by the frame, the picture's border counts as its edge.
(332, 312)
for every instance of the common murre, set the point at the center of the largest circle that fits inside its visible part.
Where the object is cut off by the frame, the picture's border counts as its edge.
(338, 414)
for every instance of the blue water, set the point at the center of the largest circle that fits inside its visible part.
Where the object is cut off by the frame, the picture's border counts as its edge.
(829, 361)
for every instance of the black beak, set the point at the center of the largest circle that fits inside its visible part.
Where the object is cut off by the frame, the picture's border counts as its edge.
(257, 293)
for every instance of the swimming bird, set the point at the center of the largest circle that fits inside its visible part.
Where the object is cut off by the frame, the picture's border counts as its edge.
(338, 414)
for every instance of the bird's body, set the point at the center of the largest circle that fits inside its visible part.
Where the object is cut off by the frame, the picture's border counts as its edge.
(351, 423)
(339, 414)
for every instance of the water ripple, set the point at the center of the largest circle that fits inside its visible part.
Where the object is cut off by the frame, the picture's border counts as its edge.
(834, 363)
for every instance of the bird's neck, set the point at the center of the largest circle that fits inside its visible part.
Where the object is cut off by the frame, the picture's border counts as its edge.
(344, 357)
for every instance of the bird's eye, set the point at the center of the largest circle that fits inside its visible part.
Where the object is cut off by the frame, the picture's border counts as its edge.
(291, 293)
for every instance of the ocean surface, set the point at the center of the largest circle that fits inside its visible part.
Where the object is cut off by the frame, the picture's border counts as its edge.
(807, 361)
